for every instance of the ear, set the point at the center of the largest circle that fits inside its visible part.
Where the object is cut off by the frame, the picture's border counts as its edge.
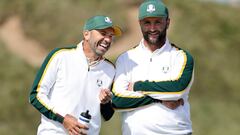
(168, 22)
(86, 34)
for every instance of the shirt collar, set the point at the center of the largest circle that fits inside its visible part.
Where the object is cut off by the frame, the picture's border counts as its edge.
(165, 47)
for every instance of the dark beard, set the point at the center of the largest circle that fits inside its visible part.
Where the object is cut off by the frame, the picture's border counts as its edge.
(160, 39)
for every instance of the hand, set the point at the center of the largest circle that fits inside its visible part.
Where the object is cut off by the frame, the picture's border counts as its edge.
(173, 104)
(130, 86)
(105, 96)
(73, 126)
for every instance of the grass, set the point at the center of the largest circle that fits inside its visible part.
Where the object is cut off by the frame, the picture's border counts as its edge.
(212, 116)
(212, 36)
(58, 23)
(16, 116)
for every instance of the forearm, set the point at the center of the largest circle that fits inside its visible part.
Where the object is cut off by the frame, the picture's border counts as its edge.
(176, 84)
(43, 108)
(107, 110)
(131, 102)
(42, 85)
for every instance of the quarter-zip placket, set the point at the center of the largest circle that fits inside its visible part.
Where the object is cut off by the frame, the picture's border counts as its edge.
(149, 67)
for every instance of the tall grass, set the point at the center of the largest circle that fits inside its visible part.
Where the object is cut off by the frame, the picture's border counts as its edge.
(211, 33)
(59, 22)
(17, 117)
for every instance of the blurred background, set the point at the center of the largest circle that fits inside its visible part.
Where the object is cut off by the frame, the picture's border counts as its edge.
(208, 29)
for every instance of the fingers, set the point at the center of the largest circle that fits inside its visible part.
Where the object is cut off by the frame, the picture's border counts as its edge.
(108, 92)
(83, 132)
(73, 126)
(82, 126)
(74, 132)
(80, 132)
(130, 87)
(105, 96)
(173, 104)
(80, 129)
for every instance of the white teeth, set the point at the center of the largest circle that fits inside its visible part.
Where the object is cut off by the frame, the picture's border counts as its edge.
(103, 45)
(153, 33)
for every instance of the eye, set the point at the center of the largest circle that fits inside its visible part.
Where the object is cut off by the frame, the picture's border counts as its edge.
(158, 22)
(103, 33)
(146, 23)
(111, 35)
(161, 21)
(107, 34)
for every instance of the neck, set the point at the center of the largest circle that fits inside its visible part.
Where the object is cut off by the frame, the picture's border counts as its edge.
(153, 47)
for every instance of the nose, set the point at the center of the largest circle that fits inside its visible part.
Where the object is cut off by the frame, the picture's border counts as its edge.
(108, 38)
(152, 27)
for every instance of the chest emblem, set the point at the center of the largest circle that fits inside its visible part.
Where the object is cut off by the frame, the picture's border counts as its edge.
(165, 69)
(99, 82)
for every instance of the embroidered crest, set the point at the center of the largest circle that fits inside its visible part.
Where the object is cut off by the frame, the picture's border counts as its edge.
(99, 82)
(165, 69)
(151, 8)
(108, 20)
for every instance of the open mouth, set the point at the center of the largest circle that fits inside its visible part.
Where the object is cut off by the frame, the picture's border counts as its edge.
(153, 34)
(103, 46)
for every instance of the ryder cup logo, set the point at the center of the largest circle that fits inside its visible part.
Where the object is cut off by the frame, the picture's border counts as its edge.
(99, 82)
(165, 69)
(108, 20)
(151, 8)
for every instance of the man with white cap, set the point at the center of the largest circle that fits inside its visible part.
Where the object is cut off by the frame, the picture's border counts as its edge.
(153, 79)
(76, 79)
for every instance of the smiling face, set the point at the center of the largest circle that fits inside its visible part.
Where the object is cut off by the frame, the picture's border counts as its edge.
(99, 41)
(154, 30)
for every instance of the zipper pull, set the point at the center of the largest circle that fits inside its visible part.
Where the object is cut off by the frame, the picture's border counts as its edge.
(150, 59)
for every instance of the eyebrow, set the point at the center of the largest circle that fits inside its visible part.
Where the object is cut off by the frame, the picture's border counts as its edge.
(106, 32)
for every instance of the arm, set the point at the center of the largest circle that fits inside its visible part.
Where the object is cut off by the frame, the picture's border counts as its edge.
(176, 87)
(106, 108)
(122, 97)
(42, 85)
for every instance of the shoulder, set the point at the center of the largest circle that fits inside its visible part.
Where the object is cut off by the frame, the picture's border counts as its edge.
(57, 53)
(108, 66)
(182, 53)
(69, 49)
(129, 53)
(61, 50)
(109, 63)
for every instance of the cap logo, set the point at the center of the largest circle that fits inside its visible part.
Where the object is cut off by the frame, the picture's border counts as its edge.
(151, 8)
(108, 20)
